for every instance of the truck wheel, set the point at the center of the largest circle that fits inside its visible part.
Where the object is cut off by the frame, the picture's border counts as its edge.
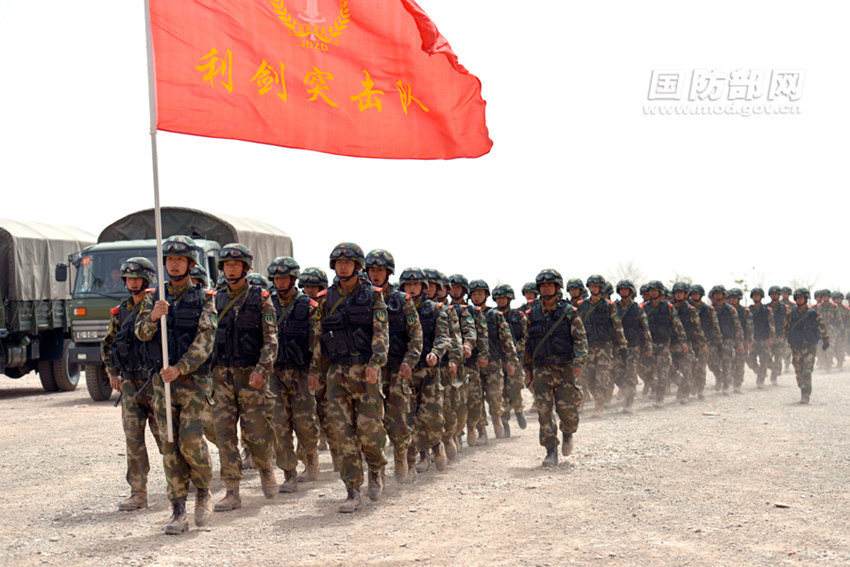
(97, 383)
(45, 373)
(66, 373)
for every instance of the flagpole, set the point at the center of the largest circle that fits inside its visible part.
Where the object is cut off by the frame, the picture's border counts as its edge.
(157, 216)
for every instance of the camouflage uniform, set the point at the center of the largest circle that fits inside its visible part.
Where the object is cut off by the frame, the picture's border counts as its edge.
(841, 330)
(803, 328)
(636, 331)
(502, 352)
(763, 334)
(466, 370)
(828, 313)
(556, 346)
(187, 457)
(604, 334)
(684, 360)
(137, 408)
(512, 391)
(742, 356)
(731, 341)
(712, 334)
(665, 327)
(780, 348)
(246, 315)
(453, 385)
(356, 407)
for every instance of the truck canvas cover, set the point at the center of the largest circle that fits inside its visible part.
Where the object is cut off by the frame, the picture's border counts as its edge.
(29, 252)
(264, 240)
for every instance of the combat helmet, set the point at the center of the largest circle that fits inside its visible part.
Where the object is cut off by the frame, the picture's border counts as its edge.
(313, 277)
(348, 251)
(785, 289)
(696, 288)
(837, 296)
(774, 289)
(736, 292)
(757, 290)
(380, 258)
(655, 284)
(236, 251)
(802, 291)
(503, 290)
(715, 289)
(412, 275)
(459, 279)
(284, 266)
(595, 279)
(433, 276)
(180, 245)
(475, 285)
(549, 275)
(529, 286)
(681, 286)
(199, 273)
(259, 280)
(628, 285)
(138, 267)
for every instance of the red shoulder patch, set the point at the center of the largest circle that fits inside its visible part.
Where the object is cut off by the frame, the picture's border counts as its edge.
(211, 292)
(610, 302)
(408, 296)
(380, 289)
(115, 310)
(528, 312)
(314, 303)
(322, 293)
(150, 290)
(439, 304)
(265, 294)
(449, 307)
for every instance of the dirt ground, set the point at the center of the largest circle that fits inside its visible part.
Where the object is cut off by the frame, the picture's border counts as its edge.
(747, 479)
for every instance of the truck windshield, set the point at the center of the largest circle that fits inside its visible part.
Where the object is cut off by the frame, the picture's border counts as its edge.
(99, 271)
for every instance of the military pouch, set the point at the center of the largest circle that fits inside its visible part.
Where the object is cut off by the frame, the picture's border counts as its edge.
(362, 341)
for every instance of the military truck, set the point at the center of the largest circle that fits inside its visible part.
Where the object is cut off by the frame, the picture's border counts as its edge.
(97, 287)
(34, 322)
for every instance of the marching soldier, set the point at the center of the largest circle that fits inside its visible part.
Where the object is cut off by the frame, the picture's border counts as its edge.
(665, 327)
(354, 339)
(636, 331)
(554, 353)
(191, 321)
(127, 365)
(684, 360)
(735, 297)
(804, 328)
(295, 406)
(731, 339)
(763, 335)
(529, 292)
(712, 334)
(780, 311)
(512, 391)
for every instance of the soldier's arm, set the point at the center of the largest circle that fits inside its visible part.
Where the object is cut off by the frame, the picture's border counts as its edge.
(145, 328)
(442, 337)
(268, 354)
(579, 338)
(645, 335)
(318, 363)
(520, 346)
(786, 323)
(202, 345)
(414, 333)
(739, 330)
(699, 336)
(715, 324)
(467, 327)
(507, 340)
(822, 328)
(380, 333)
(619, 336)
(483, 335)
(456, 352)
(106, 346)
(771, 330)
(678, 328)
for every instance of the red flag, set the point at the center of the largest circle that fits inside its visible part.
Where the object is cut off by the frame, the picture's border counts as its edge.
(367, 78)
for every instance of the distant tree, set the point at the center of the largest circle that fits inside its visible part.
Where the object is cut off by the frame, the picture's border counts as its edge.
(629, 270)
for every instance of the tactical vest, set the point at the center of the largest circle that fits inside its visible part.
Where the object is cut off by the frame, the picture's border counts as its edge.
(704, 312)
(780, 310)
(182, 324)
(399, 337)
(804, 332)
(724, 319)
(761, 323)
(347, 329)
(427, 310)
(683, 310)
(745, 325)
(558, 346)
(597, 325)
(630, 318)
(239, 336)
(658, 318)
(129, 354)
(293, 334)
(514, 318)
(496, 352)
(474, 313)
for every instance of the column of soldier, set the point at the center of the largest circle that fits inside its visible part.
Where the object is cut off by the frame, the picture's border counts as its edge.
(355, 362)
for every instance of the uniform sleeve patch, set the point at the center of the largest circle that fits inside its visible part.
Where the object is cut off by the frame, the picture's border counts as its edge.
(210, 292)
(411, 320)
(381, 315)
(214, 319)
(115, 310)
(269, 318)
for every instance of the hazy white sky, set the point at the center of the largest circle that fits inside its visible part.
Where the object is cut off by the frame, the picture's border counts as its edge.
(580, 178)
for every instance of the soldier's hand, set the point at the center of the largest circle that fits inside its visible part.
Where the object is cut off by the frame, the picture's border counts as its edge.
(371, 375)
(770, 342)
(576, 371)
(160, 308)
(170, 374)
(405, 371)
(482, 363)
(256, 380)
(467, 352)
(511, 369)
(431, 359)
(313, 382)
(685, 348)
(452, 368)
(649, 353)
(115, 382)
(703, 349)
(825, 345)
(740, 349)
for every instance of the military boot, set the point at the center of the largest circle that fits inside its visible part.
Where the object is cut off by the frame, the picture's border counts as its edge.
(482, 436)
(323, 443)
(471, 436)
(804, 398)
(268, 482)
(311, 471)
(551, 459)
(440, 459)
(231, 500)
(411, 465)
(376, 485)
(567, 446)
(498, 428)
(401, 468)
(178, 523)
(627, 406)
(353, 502)
(506, 426)
(520, 419)
(289, 484)
(424, 462)
(451, 449)
(599, 408)
(203, 507)
(136, 501)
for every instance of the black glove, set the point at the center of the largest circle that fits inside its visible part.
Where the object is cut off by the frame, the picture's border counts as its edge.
(825, 345)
